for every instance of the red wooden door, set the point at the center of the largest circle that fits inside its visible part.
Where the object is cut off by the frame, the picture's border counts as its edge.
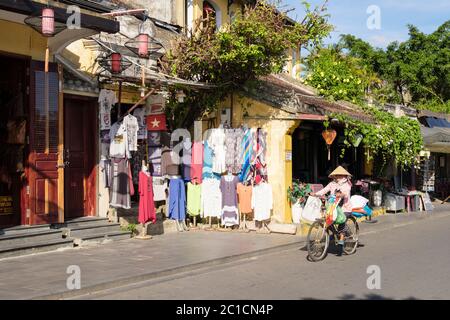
(79, 155)
(44, 142)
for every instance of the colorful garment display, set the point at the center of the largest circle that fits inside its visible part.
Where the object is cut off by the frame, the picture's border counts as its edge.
(211, 198)
(186, 160)
(117, 134)
(159, 189)
(197, 162)
(233, 147)
(247, 148)
(168, 166)
(106, 99)
(132, 127)
(139, 113)
(259, 167)
(230, 214)
(147, 210)
(154, 159)
(245, 198)
(121, 184)
(262, 201)
(194, 199)
(177, 199)
(217, 143)
(208, 162)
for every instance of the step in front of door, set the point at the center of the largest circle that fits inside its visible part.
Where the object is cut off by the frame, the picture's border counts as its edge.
(36, 247)
(100, 237)
(30, 237)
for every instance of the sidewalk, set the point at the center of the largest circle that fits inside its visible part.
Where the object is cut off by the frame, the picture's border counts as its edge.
(118, 263)
(44, 275)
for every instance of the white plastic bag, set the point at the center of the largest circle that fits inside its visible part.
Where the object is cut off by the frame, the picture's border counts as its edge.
(311, 211)
(358, 201)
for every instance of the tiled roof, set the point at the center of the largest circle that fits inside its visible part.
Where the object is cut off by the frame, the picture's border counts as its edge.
(284, 92)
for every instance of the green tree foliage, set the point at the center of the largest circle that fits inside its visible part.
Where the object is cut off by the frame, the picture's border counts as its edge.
(337, 76)
(255, 44)
(418, 67)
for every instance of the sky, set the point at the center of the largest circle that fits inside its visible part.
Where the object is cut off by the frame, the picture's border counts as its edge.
(350, 16)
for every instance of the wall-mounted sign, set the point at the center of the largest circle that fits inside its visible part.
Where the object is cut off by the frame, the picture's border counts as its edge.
(289, 155)
(6, 205)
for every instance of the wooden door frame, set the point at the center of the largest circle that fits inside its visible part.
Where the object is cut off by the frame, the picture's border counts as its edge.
(90, 185)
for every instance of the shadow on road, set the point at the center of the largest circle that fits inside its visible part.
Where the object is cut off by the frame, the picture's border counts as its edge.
(371, 296)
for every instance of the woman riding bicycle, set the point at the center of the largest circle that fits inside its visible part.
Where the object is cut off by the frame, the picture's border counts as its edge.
(340, 187)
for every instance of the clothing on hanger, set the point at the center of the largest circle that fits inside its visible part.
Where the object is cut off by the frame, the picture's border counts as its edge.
(245, 197)
(211, 198)
(177, 199)
(197, 162)
(230, 215)
(147, 211)
(194, 199)
(262, 201)
(121, 183)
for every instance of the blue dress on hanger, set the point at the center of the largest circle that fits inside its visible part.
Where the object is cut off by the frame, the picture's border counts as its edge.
(177, 199)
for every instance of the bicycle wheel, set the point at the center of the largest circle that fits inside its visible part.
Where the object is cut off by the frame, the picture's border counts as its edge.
(351, 236)
(317, 241)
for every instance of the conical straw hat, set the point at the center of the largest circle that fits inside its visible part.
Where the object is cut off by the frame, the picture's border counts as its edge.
(339, 171)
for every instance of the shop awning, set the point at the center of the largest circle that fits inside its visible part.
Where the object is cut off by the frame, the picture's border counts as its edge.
(436, 139)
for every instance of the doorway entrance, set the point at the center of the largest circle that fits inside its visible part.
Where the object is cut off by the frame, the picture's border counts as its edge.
(310, 162)
(13, 133)
(80, 141)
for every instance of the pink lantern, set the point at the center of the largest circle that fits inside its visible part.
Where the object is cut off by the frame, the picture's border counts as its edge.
(143, 45)
(48, 22)
(116, 59)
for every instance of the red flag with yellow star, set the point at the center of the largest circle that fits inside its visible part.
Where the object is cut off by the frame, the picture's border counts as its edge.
(156, 122)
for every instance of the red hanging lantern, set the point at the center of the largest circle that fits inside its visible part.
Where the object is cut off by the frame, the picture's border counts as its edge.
(116, 59)
(143, 45)
(48, 22)
(329, 135)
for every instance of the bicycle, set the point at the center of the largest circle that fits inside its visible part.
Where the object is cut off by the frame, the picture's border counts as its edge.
(318, 239)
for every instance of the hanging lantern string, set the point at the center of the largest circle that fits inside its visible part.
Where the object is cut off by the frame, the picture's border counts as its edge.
(146, 68)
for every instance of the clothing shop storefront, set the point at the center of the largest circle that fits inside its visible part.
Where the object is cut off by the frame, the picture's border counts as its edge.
(32, 112)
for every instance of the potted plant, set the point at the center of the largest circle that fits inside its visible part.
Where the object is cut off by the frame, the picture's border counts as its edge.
(297, 195)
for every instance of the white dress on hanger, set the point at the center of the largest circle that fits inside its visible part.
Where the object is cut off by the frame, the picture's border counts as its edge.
(217, 143)
(262, 201)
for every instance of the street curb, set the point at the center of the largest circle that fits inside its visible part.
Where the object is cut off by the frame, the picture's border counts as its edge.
(164, 273)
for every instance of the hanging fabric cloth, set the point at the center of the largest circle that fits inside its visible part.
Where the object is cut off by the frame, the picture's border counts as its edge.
(147, 210)
(197, 162)
(194, 199)
(211, 198)
(247, 147)
(177, 199)
(230, 215)
(121, 184)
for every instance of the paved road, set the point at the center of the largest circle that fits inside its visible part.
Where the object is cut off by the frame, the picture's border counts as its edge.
(414, 261)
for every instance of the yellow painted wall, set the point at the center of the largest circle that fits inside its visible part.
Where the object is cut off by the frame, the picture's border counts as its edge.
(21, 39)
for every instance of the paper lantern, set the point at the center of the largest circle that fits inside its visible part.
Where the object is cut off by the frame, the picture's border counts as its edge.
(143, 45)
(357, 138)
(48, 22)
(116, 59)
(329, 135)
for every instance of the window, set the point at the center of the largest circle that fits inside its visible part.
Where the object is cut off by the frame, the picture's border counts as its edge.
(212, 10)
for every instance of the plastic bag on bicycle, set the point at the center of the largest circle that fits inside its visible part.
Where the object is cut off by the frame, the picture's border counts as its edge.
(362, 212)
(334, 213)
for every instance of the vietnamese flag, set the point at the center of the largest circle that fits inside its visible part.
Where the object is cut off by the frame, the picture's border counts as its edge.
(156, 122)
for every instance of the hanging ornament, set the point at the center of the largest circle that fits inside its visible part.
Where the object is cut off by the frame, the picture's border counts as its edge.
(143, 45)
(45, 23)
(356, 141)
(113, 63)
(329, 135)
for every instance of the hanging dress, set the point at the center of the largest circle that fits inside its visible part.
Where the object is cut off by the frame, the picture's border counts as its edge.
(262, 201)
(194, 199)
(211, 198)
(177, 199)
(230, 215)
(147, 210)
